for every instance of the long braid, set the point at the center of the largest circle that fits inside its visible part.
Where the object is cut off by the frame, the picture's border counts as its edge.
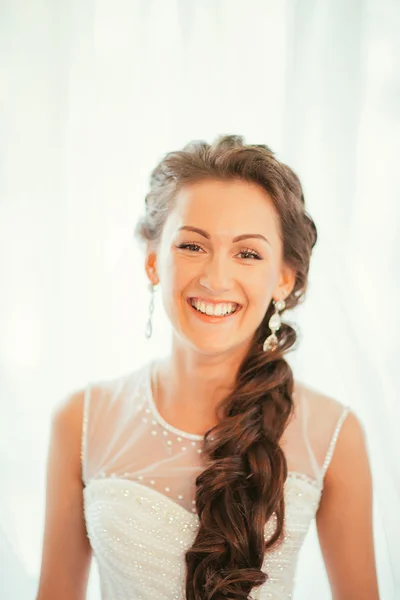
(242, 486)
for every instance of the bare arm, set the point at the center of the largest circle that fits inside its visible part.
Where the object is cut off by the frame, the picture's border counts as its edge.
(66, 552)
(344, 518)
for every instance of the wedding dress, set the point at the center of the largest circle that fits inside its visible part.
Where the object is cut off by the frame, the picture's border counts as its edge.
(139, 474)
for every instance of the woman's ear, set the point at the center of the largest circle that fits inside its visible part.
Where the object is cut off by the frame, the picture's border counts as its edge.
(151, 266)
(286, 283)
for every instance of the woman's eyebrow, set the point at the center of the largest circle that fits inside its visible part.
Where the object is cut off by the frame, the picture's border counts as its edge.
(244, 236)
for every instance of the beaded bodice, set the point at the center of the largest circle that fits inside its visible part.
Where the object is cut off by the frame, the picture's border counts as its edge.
(139, 474)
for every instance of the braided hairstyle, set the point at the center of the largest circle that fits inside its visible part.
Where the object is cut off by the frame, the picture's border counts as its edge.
(242, 487)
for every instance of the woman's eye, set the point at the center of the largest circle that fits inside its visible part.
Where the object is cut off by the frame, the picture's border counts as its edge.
(245, 253)
(192, 247)
(250, 254)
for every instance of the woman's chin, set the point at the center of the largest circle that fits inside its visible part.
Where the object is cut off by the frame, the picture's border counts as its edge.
(212, 345)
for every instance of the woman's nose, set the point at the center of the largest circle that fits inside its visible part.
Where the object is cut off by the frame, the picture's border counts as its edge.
(216, 276)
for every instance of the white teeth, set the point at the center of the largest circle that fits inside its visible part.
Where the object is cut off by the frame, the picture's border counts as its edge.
(216, 310)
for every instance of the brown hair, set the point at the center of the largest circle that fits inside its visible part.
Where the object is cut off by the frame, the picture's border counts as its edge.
(243, 484)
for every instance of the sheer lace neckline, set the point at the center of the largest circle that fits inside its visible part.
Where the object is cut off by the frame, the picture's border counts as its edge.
(154, 410)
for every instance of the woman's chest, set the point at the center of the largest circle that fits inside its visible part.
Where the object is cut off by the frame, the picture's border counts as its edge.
(140, 536)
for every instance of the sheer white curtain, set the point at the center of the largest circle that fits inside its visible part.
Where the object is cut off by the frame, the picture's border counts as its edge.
(93, 93)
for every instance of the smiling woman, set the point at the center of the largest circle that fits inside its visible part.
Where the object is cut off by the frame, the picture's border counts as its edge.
(197, 476)
(201, 255)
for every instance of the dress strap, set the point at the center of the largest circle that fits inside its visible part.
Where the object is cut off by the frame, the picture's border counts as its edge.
(85, 417)
(329, 454)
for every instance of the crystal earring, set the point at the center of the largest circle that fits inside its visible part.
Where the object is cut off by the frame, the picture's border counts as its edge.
(149, 327)
(271, 343)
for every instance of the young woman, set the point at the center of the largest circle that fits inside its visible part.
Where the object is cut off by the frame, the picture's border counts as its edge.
(197, 476)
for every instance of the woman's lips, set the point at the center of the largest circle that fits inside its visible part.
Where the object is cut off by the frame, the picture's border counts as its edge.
(213, 318)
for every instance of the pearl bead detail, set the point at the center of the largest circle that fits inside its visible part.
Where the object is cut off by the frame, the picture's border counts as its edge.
(151, 532)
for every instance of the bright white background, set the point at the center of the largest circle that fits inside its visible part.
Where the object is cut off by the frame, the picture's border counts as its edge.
(92, 94)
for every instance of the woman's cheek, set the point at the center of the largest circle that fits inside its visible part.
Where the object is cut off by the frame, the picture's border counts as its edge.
(261, 290)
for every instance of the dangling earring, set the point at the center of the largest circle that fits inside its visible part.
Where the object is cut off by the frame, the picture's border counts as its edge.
(271, 343)
(149, 327)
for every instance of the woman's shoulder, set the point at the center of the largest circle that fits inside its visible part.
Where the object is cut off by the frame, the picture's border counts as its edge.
(98, 393)
(318, 404)
(66, 426)
(332, 422)
(320, 414)
(69, 410)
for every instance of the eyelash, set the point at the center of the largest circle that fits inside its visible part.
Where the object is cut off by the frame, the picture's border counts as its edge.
(252, 253)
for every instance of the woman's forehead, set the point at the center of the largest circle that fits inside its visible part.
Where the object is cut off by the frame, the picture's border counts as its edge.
(225, 209)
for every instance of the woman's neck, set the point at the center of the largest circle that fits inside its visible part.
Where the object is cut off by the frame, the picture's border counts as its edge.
(187, 388)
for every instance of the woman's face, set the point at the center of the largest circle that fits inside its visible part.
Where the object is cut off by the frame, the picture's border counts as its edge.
(219, 263)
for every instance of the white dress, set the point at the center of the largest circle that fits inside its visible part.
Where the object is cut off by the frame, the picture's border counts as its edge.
(139, 474)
